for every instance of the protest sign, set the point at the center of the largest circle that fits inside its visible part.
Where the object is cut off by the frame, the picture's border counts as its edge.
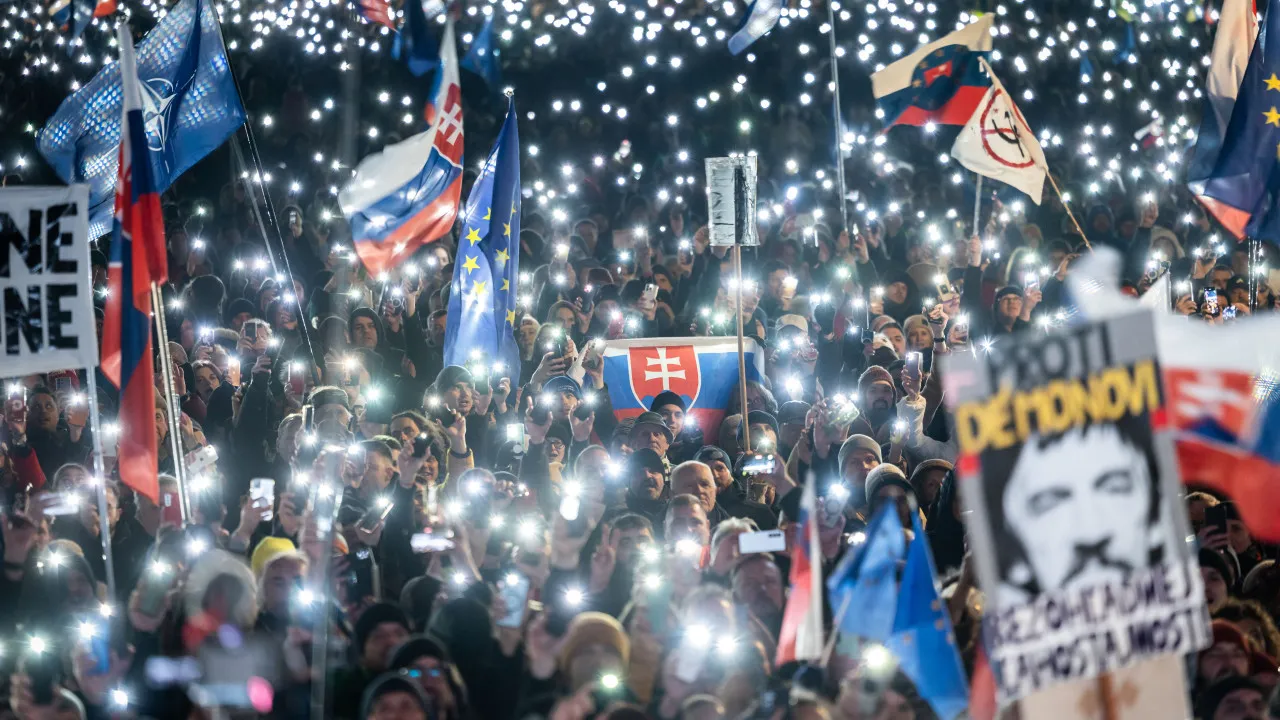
(731, 200)
(1067, 465)
(1153, 689)
(48, 322)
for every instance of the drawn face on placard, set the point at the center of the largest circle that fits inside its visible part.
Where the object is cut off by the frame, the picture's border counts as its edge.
(1080, 505)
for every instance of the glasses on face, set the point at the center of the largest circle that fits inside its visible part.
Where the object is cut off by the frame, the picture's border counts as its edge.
(417, 673)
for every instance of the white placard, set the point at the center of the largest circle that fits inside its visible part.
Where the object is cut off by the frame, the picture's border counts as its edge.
(729, 203)
(46, 301)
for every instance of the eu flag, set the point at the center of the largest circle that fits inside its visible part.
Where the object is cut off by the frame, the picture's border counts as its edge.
(1241, 189)
(189, 107)
(414, 45)
(482, 300)
(864, 586)
(922, 639)
(483, 56)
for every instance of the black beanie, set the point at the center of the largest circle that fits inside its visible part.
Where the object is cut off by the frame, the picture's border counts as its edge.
(392, 682)
(377, 614)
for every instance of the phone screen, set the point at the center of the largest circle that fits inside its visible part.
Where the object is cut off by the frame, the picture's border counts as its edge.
(514, 590)
(170, 508)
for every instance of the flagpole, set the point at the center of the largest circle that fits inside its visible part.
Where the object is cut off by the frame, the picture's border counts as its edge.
(835, 103)
(171, 401)
(1067, 207)
(1253, 273)
(99, 470)
(977, 207)
(835, 630)
(742, 361)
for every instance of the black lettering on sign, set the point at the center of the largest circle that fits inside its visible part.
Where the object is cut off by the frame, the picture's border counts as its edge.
(22, 320)
(56, 241)
(58, 318)
(42, 244)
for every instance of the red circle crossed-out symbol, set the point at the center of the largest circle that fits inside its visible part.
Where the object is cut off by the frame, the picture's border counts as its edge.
(1010, 134)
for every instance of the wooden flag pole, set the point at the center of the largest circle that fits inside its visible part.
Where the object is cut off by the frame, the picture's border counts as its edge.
(1067, 207)
(171, 402)
(742, 359)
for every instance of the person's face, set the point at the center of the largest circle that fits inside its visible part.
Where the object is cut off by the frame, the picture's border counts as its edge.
(592, 661)
(592, 466)
(238, 321)
(663, 282)
(1101, 223)
(928, 486)
(774, 282)
(1092, 496)
(555, 450)
(282, 577)
(378, 470)
(1223, 660)
(568, 403)
(647, 436)
(630, 542)
(285, 319)
(920, 338)
(722, 474)
(857, 465)
(42, 411)
(438, 326)
(879, 397)
(206, 381)
(674, 417)
(162, 426)
(758, 585)
(433, 679)
(1010, 306)
(528, 334)
(1239, 295)
(89, 514)
(897, 339)
(688, 522)
(896, 292)
(763, 437)
(1242, 704)
(188, 334)
(458, 397)
(1238, 536)
(1219, 278)
(396, 706)
(429, 472)
(565, 318)
(405, 430)
(80, 592)
(377, 647)
(697, 481)
(1195, 513)
(647, 483)
(364, 333)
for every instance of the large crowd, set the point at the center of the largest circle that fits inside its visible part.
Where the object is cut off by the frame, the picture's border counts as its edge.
(505, 544)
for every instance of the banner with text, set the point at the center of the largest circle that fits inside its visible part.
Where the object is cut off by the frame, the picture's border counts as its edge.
(1068, 467)
(48, 322)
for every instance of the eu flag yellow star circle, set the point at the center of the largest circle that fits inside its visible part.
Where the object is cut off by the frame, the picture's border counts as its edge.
(470, 264)
(478, 289)
(503, 256)
(1273, 83)
(473, 235)
(1273, 117)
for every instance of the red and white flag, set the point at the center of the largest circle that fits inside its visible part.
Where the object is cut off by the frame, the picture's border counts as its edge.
(801, 634)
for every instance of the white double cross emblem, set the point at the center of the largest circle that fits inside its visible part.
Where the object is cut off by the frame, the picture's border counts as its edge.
(452, 122)
(664, 372)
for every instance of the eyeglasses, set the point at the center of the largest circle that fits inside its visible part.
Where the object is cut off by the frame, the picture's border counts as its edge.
(433, 673)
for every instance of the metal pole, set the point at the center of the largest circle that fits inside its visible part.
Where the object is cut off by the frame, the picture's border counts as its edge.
(835, 104)
(171, 400)
(977, 207)
(99, 469)
(1252, 267)
(742, 360)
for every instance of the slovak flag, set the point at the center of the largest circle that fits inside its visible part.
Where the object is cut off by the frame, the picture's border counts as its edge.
(801, 635)
(137, 260)
(941, 82)
(702, 371)
(407, 195)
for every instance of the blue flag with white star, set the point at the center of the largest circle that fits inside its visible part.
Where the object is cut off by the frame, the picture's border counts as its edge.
(482, 300)
(484, 57)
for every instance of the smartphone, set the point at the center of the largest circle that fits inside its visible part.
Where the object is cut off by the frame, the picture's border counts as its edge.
(1229, 313)
(514, 590)
(586, 407)
(516, 434)
(650, 295)
(1211, 301)
(421, 445)
(943, 289)
(99, 644)
(429, 542)
(262, 493)
(575, 519)
(170, 508)
(659, 606)
(42, 669)
(540, 413)
(913, 362)
(249, 329)
(15, 406)
(359, 578)
(763, 541)
(297, 381)
(1032, 281)
(685, 252)
(867, 336)
(157, 581)
(1216, 517)
(62, 384)
(375, 515)
(691, 660)
(760, 465)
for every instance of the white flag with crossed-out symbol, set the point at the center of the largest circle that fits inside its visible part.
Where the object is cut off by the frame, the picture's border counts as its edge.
(997, 143)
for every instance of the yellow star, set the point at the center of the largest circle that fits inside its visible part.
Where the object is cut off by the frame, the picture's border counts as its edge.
(506, 227)
(470, 264)
(473, 235)
(1273, 117)
(478, 289)
(503, 256)
(513, 207)
(511, 317)
(487, 211)
(506, 284)
(1273, 82)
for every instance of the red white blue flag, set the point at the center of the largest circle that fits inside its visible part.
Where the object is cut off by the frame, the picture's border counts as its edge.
(801, 635)
(137, 260)
(702, 371)
(407, 195)
(941, 82)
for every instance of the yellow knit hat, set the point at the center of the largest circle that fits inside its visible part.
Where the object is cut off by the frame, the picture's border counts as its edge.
(267, 549)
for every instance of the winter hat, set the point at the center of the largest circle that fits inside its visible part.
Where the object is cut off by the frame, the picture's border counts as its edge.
(1213, 695)
(652, 418)
(561, 432)
(1213, 559)
(266, 551)
(377, 614)
(793, 412)
(394, 682)
(882, 475)
(710, 453)
(368, 313)
(450, 376)
(872, 376)
(666, 397)
(561, 384)
(914, 322)
(859, 442)
(419, 646)
(934, 464)
(590, 628)
(240, 305)
(1225, 631)
(647, 459)
(1006, 290)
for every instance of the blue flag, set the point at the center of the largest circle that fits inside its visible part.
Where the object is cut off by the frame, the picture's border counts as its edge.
(189, 106)
(864, 586)
(482, 299)
(1240, 190)
(414, 45)
(483, 57)
(761, 17)
(922, 639)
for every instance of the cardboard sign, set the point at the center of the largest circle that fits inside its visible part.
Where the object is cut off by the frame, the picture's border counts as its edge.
(731, 200)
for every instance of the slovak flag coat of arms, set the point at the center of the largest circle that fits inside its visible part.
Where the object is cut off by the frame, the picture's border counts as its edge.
(703, 371)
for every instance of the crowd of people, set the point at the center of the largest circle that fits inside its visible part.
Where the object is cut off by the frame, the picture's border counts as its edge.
(506, 546)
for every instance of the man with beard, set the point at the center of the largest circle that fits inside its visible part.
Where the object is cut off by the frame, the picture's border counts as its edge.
(757, 584)
(859, 455)
(646, 485)
(878, 395)
(688, 438)
(791, 422)
(614, 562)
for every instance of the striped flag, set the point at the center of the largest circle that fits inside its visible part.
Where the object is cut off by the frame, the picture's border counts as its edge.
(137, 260)
(801, 634)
